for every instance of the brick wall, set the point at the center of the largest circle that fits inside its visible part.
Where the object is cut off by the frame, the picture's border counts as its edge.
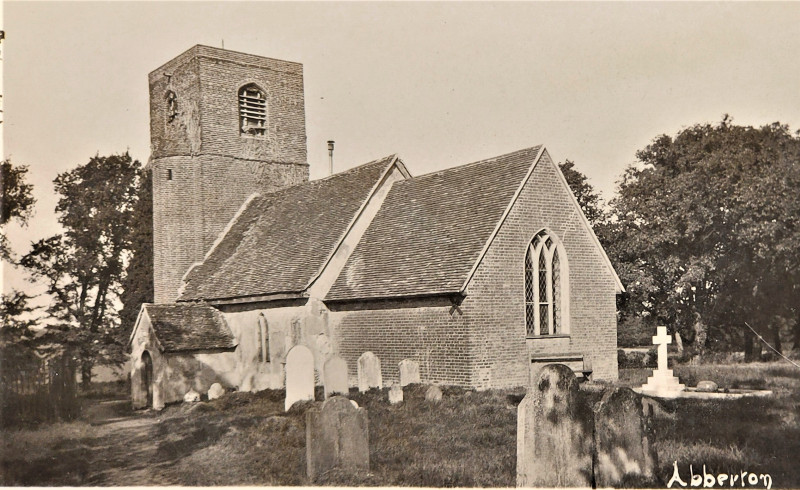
(421, 331)
(483, 344)
(495, 298)
(206, 82)
(214, 168)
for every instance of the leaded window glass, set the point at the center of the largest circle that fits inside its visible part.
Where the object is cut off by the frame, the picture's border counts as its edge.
(544, 302)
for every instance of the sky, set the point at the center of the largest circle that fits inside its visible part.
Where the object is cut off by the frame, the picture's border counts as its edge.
(440, 84)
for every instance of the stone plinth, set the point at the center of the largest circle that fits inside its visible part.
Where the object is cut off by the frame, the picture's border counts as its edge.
(662, 383)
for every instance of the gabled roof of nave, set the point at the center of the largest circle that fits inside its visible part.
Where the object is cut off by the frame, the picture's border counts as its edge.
(426, 238)
(432, 229)
(280, 241)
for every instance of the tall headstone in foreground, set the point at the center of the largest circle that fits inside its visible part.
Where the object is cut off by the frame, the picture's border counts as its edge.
(554, 432)
(299, 375)
(623, 437)
(337, 436)
(409, 372)
(369, 372)
(335, 377)
(662, 383)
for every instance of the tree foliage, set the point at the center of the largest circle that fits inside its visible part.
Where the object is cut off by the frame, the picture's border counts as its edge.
(16, 202)
(589, 200)
(83, 267)
(705, 231)
(137, 287)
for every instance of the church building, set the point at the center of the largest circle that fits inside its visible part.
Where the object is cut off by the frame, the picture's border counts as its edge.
(479, 273)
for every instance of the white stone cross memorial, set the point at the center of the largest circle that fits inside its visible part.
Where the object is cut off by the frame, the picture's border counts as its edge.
(662, 383)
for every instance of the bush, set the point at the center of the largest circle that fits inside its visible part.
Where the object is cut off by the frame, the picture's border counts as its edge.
(633, 359)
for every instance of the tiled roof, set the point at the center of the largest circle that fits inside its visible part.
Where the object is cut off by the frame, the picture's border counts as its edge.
(281, 240)
(431, 230)
(181, 327)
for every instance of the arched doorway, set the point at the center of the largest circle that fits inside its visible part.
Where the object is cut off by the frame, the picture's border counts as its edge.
(147, 377)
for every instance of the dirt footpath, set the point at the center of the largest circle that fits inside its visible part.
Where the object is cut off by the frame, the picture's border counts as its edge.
(109, 445)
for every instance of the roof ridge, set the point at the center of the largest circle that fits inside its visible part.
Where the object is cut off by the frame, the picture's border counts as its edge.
(264, 195)
(534, 149)
(388, 158)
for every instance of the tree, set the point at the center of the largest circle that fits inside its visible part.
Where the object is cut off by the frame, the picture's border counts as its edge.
(17, 200)
(589, 200)
(137, 287)
(15, 318)
(83, 267)
(705, 232)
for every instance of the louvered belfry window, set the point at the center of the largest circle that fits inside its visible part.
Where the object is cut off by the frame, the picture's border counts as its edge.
(252, 111)
(543, 287)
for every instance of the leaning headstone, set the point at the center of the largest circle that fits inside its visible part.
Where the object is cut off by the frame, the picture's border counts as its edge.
(215, 391)
(662, 383)
(299, 375)
(335, 377)
(623, 441)
(191, 396)
(369, 372)
(395, 393)
(554, 432)
(337, 436)
(433, 394)
(409, 372)
(707, 386)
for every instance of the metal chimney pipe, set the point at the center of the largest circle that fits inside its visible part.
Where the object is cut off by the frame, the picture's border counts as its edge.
(330, 156)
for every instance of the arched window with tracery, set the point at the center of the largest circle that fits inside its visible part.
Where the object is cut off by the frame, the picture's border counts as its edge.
(252, 111)
(546, 294)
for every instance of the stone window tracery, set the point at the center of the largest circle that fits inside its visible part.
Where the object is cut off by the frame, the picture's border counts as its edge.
(545, 279)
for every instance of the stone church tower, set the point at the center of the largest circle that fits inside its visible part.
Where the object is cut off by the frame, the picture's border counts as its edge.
(223, 125)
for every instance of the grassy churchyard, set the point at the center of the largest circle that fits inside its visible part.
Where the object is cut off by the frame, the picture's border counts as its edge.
(468, 439)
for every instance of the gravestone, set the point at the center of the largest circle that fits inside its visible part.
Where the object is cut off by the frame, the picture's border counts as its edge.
(707, 386)
(369, 372)
(335, 377)
(433, 394)
(662, 383)
(299, 375)
(554, 432)
(215, 391)
(337, 436)
(623, 441)
(409, 372)
(191, 396)
(395, 393)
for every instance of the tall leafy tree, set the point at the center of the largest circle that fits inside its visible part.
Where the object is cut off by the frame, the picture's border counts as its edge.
(17, 200)
(588, 198)
(705, 232)
(137, 286)
(83, 267)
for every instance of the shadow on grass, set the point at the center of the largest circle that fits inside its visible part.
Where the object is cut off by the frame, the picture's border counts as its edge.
(729, 436)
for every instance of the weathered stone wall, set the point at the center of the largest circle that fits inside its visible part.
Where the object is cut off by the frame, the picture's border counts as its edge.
(214, 168)
(289, 325)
